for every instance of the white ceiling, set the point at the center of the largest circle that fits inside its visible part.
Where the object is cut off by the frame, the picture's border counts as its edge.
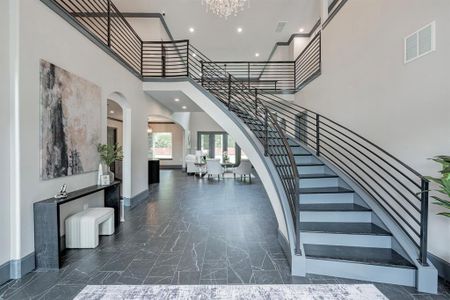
(167, 98)
(114, 110)
(218, 38)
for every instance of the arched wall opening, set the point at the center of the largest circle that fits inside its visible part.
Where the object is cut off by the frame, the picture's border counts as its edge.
(119, 117)
(164, 130)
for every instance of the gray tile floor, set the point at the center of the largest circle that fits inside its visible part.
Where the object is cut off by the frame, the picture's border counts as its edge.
(191, 231)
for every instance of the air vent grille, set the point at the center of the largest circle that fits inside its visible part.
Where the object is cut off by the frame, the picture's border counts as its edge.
(280, 26)
(420, 43)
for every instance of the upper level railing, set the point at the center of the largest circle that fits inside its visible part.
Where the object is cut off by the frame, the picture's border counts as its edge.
(147, 59)
(398, 188)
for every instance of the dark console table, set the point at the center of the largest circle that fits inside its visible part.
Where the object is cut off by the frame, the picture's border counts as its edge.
(47, 242)
(153, 171)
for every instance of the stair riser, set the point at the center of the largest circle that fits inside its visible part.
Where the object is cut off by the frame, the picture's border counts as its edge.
(327, 198)
(356, 240)
(336, 216)
(319, 182)
(306, 160)
(311, 169)
(366, 272)
(299, 150)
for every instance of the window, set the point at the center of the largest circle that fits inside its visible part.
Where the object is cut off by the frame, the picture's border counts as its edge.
(162, 145)
(216, 143)
(420, 43)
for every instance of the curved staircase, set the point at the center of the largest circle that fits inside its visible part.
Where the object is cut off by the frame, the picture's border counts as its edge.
(358, 211)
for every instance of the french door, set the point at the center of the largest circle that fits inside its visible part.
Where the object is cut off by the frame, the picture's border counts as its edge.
(216, 143)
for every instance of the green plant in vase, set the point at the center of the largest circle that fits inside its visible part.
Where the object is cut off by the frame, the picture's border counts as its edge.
(443, 183)
(108, 155)
(225, 157)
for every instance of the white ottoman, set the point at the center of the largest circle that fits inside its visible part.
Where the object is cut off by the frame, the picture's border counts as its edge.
(83, 228)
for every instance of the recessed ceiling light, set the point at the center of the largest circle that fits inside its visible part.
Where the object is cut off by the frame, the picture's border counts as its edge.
(239, 29)
(191, 29)
(257, 54)
(301, 29)
(176, 99)
(194, 55)
(183, 107)
(111, 111)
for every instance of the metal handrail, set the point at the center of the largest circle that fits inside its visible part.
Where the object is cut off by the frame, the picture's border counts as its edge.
(337, 143)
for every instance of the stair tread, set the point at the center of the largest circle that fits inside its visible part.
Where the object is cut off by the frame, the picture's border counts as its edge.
(365, 255)
(317, 176)
(325, 190)
(333, 207)
(343, 228)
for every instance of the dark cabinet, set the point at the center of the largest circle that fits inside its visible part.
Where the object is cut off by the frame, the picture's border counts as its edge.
(153, 171)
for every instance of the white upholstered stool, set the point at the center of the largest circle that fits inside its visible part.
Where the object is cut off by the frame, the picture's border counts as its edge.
(83, 228)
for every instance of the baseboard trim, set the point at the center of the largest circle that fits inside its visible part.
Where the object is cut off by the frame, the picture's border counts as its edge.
(441, 265)
(20, 267)
(284, 245)
(5, 272)
(139, 198)
(171, 167)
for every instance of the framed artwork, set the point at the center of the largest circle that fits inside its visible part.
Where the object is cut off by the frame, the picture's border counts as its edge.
(70, 123)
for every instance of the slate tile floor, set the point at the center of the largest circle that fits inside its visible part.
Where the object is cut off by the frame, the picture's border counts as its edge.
(190, 231)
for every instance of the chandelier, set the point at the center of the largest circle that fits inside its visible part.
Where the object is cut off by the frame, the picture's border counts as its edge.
(225, 8)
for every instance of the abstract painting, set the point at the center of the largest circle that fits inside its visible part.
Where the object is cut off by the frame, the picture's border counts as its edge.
(70, 123)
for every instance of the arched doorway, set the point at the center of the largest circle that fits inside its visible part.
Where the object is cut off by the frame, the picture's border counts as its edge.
(166, 141)
(119, 132)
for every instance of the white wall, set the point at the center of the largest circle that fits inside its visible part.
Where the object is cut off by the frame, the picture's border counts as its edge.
(201, 121)
(148, 29)
(45, 35)
(366, 86)
(4, 134)
(177, 142)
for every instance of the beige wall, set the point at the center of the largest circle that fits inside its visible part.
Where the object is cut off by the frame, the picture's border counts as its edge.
(366, 86)
(4, 134)
(177, 142)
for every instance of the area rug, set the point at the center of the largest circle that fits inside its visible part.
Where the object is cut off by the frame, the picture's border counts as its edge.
(234, 292)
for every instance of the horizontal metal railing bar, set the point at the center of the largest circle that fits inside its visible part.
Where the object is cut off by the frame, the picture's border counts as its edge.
(365, 188)
(375, 191)
(374, 171)
(371, 151)
(373, 161)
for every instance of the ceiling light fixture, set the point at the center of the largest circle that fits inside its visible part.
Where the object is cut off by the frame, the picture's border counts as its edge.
(191, 29)
(194, 55)
(239, 29)
(111, 111)
(302, 29)
(225, 8)
(257, 54)
(183, 107)
(176, 100)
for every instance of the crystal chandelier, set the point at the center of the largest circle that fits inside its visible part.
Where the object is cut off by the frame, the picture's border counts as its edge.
(225, 8)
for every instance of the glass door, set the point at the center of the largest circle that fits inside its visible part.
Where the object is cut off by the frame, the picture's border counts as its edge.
(219, 146)
(216, 143)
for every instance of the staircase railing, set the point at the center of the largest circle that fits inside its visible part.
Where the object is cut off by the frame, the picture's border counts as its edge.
(247, 105)
(398, 188)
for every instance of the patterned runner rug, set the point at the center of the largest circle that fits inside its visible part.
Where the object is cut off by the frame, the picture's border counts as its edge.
(254, 292)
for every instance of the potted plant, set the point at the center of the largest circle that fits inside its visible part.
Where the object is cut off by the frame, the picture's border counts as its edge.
(443, 183)
(225, 157)
(108, 155)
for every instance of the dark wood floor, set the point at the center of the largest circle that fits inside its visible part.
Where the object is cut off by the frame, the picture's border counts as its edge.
(191, 231)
